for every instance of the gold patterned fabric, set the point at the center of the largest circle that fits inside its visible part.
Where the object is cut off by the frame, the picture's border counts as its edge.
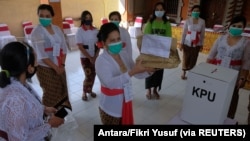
(54, 86)
(109, 120)
(89, 71)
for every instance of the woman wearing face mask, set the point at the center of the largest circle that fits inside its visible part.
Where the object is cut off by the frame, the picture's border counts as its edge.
(21, 110)
(115, 17)
(114, 68)
(86, 40)
(51, 48)
(157, 24)
(232, 51)
(192, 40)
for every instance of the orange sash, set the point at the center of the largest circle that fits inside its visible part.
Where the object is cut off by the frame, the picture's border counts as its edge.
(127, 108)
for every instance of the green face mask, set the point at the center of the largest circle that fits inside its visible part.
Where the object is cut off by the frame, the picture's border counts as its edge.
(116, 23)
(115, 48)
(195, 14)
(234, 31)
(45, 21)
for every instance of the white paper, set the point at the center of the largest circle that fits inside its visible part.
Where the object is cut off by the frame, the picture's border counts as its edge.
(193, 35)
(128, 93)
(225, 62)
(156, 45)
(56, 49)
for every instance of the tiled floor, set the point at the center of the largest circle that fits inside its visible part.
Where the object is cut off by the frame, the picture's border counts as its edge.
(145, 111)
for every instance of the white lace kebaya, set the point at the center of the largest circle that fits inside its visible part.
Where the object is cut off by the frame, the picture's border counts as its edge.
(21, 113)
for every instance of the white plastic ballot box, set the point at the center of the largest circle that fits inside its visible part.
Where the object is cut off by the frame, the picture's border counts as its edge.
(176, 120)
(208, 94)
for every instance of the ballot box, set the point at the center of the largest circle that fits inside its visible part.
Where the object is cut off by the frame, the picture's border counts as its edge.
(176, 120)
(208, 94)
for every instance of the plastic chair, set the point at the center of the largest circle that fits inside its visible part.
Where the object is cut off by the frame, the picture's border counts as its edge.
(5, 35)
(26, 23)
(70, 21)
(218, 27)
(104, 20)
(138, 22)
(69, 36)
(4, 30)
(67, 28)
(27, 31)
(136, 30)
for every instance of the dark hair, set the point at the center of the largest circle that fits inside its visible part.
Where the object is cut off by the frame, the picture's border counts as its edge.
(164, 18)
(15, 57)
(238, 18)
(115, 13)
(46, 7)
(105, 30)
(83, 16)
(196, 6)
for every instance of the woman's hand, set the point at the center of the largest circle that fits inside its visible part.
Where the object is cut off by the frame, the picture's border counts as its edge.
(151, 70)
(92, 60)
(60, 70)
(55, 121)
(139, 68)
(49, 110)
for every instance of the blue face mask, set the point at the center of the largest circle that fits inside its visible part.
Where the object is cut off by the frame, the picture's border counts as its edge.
(88, 22)
(234, 31)
(116, 23)
(159, 14)
(45, 21)
(115, 48)
(195, 14)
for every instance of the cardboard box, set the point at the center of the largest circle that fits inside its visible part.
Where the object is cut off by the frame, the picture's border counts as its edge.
(208, 95)
(160, 62)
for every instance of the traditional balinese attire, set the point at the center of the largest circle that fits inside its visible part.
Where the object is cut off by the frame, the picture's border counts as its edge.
(21, 113)
(53, 47)
(235, 57)
(192, 41)
(88, 39)
(116, 88)
(162, 29)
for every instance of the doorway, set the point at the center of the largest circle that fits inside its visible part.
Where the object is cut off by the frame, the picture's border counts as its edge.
(212, 11)
(142, 8)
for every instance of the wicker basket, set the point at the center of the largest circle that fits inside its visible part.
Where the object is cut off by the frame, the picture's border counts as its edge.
(159, 62)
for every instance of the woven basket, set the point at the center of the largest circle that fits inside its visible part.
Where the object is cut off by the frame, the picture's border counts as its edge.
(159, 62)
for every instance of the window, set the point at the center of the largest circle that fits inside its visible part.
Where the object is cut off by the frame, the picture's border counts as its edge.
(172, 7)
